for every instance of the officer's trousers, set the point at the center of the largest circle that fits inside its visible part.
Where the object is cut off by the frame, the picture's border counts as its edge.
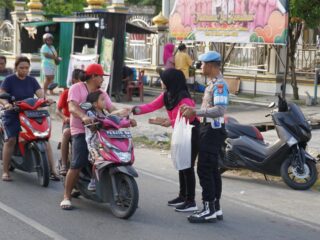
(209, 176)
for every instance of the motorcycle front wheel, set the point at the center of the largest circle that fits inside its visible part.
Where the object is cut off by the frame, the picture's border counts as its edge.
(299, 180)
(126, 203)
(42, 167)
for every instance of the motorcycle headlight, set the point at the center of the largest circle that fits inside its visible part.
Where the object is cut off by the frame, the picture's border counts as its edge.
(41, 134)
(123, 156)
(35, 132)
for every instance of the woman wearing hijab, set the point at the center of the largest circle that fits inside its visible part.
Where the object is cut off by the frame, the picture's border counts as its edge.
(175, 95)
(168, 58)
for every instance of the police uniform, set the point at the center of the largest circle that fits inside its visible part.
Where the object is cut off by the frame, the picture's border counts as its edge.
(212, 136)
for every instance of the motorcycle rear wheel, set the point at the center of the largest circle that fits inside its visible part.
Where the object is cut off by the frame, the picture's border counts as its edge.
(127, 202)
(42, 167)
(297, 181)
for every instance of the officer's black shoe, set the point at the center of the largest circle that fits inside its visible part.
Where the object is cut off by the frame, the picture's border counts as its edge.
(207, 214)
(218, 209)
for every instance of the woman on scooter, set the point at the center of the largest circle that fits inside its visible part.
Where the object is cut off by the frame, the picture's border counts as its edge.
(64, 114)
(21, 86)
(175, 95)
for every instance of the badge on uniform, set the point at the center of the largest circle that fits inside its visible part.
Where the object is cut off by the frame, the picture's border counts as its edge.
(220, 93)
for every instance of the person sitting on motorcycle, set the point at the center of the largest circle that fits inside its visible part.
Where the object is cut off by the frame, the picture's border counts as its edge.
(20, 86)
(98, 111)
(64, 114)
(78, 94)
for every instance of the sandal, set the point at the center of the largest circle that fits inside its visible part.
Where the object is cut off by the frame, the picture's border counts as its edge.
(63, 171)
(6, 177)
(54, 177)
(66, 204)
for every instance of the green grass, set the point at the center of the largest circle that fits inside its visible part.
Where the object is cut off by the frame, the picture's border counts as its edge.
(143, 140)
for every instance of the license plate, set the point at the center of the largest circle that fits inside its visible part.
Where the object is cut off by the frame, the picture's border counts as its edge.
(37, 114)
(118, 134)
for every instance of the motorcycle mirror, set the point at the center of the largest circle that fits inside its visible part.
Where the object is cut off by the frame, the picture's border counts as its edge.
(272, 105)
(52, 86)
(86, 106)
(6, 96)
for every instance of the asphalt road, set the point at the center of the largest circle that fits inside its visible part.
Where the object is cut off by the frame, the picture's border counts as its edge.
(253, 209)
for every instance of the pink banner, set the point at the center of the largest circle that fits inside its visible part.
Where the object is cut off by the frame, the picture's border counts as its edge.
(234, 21)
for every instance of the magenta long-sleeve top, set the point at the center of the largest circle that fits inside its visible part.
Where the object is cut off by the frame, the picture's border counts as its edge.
(159, 103)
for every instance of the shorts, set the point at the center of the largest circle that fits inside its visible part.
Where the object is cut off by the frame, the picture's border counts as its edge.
(49, 70)
(80, 153)
(11, 125)
(65, 126)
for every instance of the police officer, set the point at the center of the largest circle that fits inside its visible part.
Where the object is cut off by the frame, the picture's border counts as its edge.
(212, 136)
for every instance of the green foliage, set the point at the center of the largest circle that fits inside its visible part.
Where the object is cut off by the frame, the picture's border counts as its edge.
(63, 7)
(6, 4)
(156, 3)
(306, 10)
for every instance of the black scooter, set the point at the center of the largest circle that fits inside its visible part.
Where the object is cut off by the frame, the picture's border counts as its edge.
(286, 157)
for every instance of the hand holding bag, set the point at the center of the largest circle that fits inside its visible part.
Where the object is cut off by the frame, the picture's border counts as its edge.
(181, 143)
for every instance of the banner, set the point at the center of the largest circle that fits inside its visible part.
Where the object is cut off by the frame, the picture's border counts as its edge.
(106, 60)
(232, 21)
(80, 62)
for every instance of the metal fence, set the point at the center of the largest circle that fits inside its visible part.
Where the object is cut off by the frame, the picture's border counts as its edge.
(247, 58)
(138, 49)
(306, 57)
(6, 37)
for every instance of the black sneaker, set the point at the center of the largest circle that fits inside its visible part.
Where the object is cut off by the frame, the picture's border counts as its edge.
(207, 214)
(175, 202)
(187, 207)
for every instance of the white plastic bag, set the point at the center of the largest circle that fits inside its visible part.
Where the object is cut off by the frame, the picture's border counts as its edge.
(181, 143)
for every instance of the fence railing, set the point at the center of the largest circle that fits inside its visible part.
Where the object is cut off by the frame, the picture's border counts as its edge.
(138, 51)
(306, 57)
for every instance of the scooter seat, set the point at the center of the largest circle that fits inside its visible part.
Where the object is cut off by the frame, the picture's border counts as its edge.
(236, 130)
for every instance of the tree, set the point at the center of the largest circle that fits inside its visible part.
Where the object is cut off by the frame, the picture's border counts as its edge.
(156, 3)
(6, 4)
(302, 13)
(63, 7)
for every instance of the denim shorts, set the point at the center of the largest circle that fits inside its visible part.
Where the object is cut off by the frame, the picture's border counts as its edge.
(80, 153)
(11, 124)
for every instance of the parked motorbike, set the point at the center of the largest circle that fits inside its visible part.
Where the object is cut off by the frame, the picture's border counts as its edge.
(286, 157)
(30, 154)
(115, 183)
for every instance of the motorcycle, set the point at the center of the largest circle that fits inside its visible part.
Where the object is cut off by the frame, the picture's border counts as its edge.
(115, 183)
(286, 157)
(30, 153)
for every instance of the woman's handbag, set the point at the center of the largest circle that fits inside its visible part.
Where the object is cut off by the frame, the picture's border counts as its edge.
(57, 61)
(181, 143)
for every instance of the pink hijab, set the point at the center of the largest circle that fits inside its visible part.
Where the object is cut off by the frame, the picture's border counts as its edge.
(168, 52)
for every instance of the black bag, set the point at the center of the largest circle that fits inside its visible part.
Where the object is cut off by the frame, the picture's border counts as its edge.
(57, 61)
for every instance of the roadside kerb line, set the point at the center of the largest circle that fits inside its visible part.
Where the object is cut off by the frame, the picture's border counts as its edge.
(241, 202)
(32, 223)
